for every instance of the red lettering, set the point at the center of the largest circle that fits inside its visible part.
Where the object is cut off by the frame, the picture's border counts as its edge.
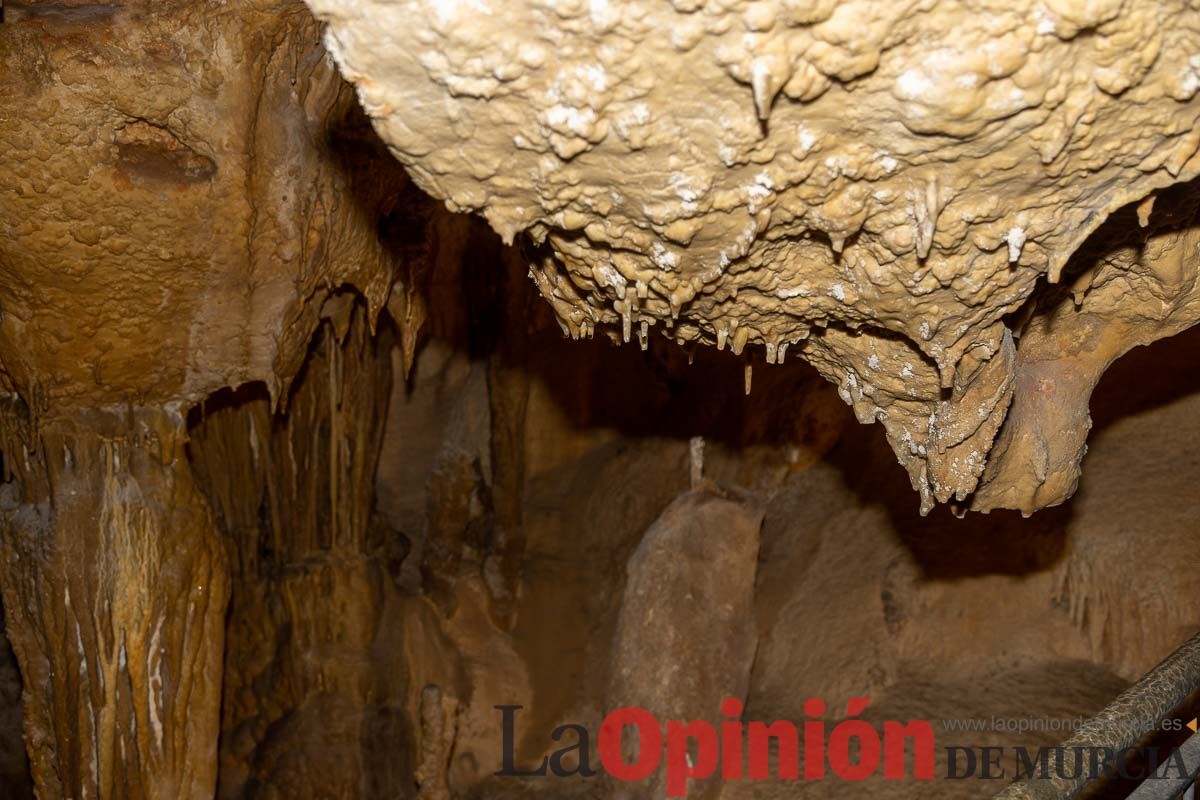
(649, 742)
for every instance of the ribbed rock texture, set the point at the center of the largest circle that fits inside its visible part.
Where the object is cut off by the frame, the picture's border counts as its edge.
(881, 188)
(305, 710)
(115, 586)
(184, 189)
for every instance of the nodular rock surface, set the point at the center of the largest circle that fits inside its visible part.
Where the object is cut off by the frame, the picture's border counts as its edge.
(896, 192)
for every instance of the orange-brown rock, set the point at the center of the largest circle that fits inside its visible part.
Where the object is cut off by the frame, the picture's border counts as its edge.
(185, 186)
(115, 585)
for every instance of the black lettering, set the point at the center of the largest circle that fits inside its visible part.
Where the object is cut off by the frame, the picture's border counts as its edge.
(1177, 765)
(991, 761)
(582, 766)
(1025, 765)
(510, 739)
(1060, 766)
(952, 763)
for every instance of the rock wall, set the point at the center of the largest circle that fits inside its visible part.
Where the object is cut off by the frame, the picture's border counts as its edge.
(184, 186)
(306, 711)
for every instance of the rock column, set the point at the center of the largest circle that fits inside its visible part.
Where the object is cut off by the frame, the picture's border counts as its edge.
(115, 587)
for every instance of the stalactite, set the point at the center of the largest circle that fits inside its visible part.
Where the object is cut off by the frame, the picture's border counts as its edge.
(294, 497)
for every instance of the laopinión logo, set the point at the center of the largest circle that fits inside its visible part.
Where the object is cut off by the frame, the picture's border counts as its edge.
(853, 750)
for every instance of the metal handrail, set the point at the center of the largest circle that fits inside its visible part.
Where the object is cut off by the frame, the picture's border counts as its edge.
(1136, 713)
(1166, 787)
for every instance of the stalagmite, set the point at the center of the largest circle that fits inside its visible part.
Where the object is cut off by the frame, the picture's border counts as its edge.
(696, 460)
(685, 640)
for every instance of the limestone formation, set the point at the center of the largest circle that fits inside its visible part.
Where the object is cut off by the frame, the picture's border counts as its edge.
(299, 479)
(292, 498)
(181, 194)
(885, 189)
(115, 585)
(185, 187)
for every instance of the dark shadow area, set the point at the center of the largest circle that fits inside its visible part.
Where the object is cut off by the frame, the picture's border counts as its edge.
(658, 393)
(1147, 378)
(485, 306)
(16, 782)
(947, 547)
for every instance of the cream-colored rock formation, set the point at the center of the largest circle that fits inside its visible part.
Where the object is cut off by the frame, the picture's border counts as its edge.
(889, 190)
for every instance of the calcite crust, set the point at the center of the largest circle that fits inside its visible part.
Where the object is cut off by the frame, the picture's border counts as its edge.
(877, 186)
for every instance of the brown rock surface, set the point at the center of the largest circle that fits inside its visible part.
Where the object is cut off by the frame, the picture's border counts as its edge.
(685, 637)
(115, 586)
(306, 712)
(183, 187)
